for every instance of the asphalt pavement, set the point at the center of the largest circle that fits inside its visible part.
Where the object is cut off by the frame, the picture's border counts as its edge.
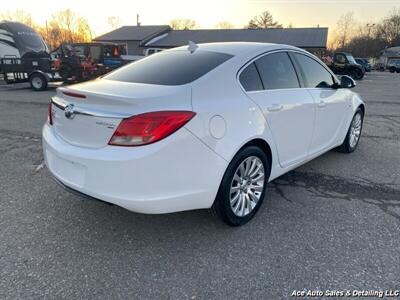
(332, 224)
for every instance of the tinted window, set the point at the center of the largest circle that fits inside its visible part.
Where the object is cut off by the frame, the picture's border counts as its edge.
(95, 53)
(340, 58)
(277, 71)
(250, 79)
(170, 67)
(315, 75)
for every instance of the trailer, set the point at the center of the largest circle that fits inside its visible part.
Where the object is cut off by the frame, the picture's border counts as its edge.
(25, 57)
(36, 71)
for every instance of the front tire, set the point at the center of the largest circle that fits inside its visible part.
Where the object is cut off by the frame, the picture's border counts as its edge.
(243, 186)
(356, 74)
(353, 134)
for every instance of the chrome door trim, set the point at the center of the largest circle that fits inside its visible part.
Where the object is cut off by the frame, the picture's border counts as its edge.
(89, 111)
(288, 50)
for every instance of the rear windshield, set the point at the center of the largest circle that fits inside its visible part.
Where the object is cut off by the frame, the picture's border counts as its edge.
(170, 67)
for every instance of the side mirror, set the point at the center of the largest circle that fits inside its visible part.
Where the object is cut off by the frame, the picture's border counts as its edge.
(346, 82)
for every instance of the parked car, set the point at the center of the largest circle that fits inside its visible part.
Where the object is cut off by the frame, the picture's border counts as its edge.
(398, 66)
(393, 65)
(365, 63)
(344, 64)
(204, 126)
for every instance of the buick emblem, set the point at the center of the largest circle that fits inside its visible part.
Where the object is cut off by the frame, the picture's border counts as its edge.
(69, 111)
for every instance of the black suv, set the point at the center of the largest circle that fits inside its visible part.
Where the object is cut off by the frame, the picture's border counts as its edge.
(344, 64)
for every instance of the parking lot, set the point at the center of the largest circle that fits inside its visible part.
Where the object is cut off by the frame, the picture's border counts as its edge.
(332, 224)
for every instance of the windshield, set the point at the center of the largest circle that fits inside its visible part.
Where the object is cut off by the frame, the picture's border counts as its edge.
(170, 67)
(351, 59)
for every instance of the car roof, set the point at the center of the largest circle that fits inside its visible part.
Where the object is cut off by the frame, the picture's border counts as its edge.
(237, 48)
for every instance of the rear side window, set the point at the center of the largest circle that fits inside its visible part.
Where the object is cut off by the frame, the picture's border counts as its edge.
(277, 71)
(170, 67)
(315, 75)
(250, 79)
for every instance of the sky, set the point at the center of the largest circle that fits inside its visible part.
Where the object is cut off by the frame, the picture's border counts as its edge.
(207, 13)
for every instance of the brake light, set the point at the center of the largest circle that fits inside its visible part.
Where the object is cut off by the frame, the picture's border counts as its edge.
(150, 127)
(50, 114)
(74, 95)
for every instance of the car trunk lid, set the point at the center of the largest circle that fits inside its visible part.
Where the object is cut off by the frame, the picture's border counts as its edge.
(87, 114)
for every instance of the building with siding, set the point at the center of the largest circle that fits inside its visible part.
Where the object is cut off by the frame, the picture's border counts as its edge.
(134, 37)
(144, 40)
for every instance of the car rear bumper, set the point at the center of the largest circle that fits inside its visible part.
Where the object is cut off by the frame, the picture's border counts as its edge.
(175, 174)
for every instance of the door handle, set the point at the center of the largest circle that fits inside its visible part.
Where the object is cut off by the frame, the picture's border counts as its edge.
(321, 104)
(275, 107)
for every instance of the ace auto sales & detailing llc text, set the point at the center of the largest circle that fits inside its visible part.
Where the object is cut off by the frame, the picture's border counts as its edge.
(346, 293)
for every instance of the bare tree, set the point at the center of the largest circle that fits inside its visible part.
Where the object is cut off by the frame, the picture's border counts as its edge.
(224, 25)
(345, 30)
(389, 28)
(182, 24)
(18, 15)
(114, 22)
(65, 26)
(264, 20)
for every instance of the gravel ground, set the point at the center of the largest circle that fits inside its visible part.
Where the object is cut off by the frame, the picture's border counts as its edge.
(332, 224)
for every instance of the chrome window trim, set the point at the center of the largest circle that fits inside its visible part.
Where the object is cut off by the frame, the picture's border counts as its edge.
(278, 51)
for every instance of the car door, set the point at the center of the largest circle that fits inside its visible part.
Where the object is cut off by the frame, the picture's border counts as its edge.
(288, 109)
(330, 102)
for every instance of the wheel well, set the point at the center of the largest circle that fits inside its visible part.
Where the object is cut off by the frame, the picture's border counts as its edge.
(263, 145)
(36, 73)
(362, 107)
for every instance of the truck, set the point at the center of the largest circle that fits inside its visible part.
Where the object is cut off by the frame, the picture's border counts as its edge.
(343, 63)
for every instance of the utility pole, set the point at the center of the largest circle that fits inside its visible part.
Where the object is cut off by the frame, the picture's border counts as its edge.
(137, 20)
(369, 26)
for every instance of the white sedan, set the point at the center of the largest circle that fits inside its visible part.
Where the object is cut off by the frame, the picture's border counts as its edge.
(204, 126)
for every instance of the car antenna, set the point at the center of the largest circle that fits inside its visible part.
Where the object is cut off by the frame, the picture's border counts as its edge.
(192, 46)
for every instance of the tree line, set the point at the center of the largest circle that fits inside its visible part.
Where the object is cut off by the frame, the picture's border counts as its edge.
(364, 39)
(63, 26)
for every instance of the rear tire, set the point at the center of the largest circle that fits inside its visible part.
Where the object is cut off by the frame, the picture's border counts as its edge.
(38, 82)
(243, 187)
(356, 74)
(353, 134)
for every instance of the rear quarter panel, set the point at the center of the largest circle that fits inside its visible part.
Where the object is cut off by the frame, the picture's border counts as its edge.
(219, 94)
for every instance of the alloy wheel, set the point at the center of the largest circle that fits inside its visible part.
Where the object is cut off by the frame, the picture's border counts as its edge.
(355, 130)
(247, 186)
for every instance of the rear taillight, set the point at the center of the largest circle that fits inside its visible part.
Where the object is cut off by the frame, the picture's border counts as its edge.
(150, 127)
(50, 115)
